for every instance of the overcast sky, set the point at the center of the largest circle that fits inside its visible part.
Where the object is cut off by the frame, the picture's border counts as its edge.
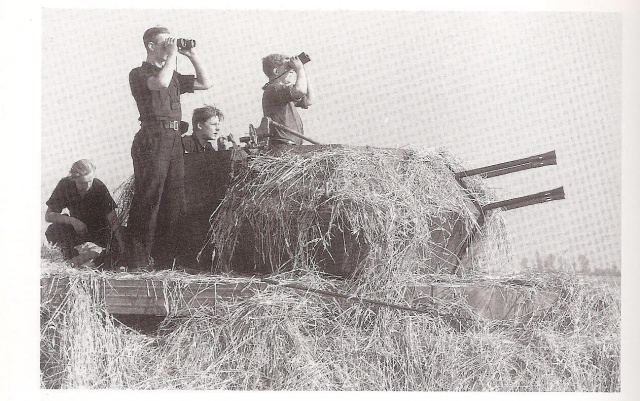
(487, 86)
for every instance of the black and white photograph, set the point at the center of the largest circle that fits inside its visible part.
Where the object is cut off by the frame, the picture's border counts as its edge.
(317, 198)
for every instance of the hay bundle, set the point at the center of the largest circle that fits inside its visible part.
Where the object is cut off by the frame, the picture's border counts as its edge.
(81, 346)
(357, 209)
(343, 210)
(282, 339)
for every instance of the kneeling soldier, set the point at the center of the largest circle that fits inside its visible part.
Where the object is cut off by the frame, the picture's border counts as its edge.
(92, 217)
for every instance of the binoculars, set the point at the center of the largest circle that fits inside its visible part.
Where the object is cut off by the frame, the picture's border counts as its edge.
(304, 57)
(186, 43)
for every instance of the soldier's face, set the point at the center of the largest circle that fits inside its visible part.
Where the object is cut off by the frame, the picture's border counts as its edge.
(210, 129)
(84, 183)
(287, 76)
(160, 47)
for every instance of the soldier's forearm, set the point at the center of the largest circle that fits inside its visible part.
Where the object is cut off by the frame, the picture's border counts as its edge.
(311, 94)
(166, 73)
(202, 77)
(300, 88)
(54, 217)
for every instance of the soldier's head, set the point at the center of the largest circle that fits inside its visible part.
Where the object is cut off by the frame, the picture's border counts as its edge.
(153, 39)
(278, 67)
(82, 173)
(272, 63)
(206, 122)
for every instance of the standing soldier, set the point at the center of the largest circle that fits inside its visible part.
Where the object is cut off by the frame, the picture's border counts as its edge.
(288, 88)
(158, 165)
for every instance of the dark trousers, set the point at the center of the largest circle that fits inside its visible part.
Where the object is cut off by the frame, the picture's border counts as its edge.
(65, 237)
(159, 198)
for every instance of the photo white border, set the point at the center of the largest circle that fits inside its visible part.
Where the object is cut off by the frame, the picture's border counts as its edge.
(20, 232)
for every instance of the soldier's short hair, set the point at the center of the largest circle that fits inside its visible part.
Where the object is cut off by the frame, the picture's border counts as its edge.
(81, 168)
(273, 61)
(202, 114)
(151, 33)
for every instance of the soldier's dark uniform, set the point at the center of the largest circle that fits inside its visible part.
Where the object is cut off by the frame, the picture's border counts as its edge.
(91, 208)
(158, 167)
(190, 144)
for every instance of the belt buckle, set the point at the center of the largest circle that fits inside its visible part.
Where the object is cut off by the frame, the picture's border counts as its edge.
(174, 125)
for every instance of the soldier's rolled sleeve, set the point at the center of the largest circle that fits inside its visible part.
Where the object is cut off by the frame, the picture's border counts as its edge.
(56, 201)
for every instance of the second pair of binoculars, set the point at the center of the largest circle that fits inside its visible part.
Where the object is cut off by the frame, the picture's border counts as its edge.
(304, 57)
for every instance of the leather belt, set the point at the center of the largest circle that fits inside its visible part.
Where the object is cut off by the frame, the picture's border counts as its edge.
(171, 124)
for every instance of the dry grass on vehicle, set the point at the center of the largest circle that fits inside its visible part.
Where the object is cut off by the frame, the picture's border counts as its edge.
(282, 339)
(285, 339)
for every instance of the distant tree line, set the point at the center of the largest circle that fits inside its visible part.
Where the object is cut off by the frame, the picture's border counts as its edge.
(555, 263)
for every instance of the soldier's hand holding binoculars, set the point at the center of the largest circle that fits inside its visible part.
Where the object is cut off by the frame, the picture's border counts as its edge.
(295, 63)
(178, 45)
(171, 46)
(188, 52)
(184, 46)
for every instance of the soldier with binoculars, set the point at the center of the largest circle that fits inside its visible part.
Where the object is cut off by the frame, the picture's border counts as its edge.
(288, 88)
(156, 151)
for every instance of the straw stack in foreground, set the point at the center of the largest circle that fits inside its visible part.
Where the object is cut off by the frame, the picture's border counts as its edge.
(282, 339)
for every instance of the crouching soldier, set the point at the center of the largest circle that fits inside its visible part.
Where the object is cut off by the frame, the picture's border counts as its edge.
(88, 228)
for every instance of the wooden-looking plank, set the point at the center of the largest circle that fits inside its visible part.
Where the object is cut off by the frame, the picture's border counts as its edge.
(151, 297)
(495, 302)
